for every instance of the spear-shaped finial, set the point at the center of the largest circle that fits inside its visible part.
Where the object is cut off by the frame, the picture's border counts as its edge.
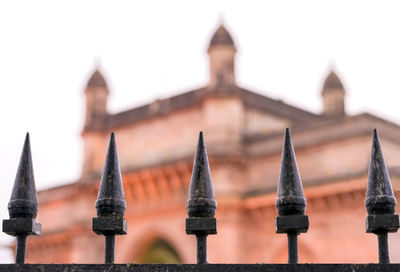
(290, 201)
(201, 204)
(290, 197)
(110, 203)
(380, 198)
(110, 199)
(23, 206)
(23, 203)
(380, 201)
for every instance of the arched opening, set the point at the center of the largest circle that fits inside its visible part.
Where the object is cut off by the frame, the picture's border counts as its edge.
(159, 251)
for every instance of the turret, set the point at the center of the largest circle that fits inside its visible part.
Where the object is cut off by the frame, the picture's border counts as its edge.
(222, 52)
(333, 96)
(224, 133)
(96, 99)
(96, 112)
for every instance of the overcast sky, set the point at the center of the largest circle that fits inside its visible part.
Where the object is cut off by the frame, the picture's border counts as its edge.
(153, 49)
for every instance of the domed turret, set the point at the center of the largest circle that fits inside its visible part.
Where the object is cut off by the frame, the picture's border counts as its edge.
(222, 52)
(96, 93)
(221, 37)
(333, 94)
(96, 98)
(332, 82)
(97, 80)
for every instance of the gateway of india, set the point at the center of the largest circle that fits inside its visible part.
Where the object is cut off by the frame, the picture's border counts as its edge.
(244, 136)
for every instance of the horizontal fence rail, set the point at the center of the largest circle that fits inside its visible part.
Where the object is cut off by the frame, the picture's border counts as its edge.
(201, 267)
(201, 207)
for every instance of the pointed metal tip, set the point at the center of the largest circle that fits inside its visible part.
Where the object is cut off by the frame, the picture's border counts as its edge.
(201, 138)
(23, 201)
(379, 197)
(290, 197)
(111, 199)
(201, 148)
(201, 202)
(111, 144)
(112, 147)
(27, 142)
(287, 137)
(376, 143)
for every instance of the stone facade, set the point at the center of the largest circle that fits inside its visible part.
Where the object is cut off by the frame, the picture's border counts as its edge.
(243, 132)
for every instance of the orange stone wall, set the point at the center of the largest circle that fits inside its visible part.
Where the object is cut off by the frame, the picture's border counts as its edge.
(156, 159)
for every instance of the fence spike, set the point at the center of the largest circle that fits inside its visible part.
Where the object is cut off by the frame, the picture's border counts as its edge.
(290, 201)
(201, 204)
(379, 197)
(111, 199)
(23, 201)
(290, 197)
(23, 206)
(110, 203)
(380, 200)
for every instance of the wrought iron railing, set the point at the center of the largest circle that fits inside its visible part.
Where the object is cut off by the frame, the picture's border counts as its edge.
(201, 206)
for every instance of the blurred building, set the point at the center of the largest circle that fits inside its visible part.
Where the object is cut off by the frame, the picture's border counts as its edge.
(243, 132)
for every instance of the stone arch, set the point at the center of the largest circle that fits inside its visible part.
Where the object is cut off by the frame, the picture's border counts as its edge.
(156, 248)
(159, 251)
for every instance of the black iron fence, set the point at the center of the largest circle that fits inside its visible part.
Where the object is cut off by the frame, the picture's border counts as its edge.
(201, 206)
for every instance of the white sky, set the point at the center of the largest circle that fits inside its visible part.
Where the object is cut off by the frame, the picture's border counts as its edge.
(152, 49)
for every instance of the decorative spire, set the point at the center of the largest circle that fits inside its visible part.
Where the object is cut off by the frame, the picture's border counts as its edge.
(96, 105)
(290, 200)
(380, 201)
(23, 203)
(380, 198)
(97, 80)
(110, 203)
(110, 199)
(332, 82)
(201, 202)
(221, 37)
(333, 96)
(290, 197)
(222, 52)
(23, 206)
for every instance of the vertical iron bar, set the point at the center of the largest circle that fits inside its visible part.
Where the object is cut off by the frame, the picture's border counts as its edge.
(109, 250)
(201, 248)
(21, 247)
(383, 247)
(292, 248)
